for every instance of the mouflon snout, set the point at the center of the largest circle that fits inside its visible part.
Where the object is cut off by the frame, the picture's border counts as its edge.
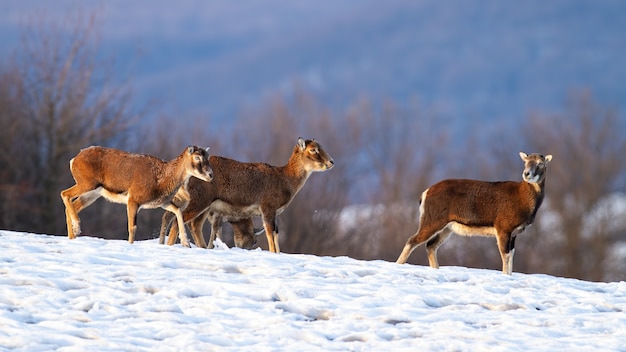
(325, 162)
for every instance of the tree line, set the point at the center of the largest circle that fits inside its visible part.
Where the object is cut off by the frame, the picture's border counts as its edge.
(57, 96)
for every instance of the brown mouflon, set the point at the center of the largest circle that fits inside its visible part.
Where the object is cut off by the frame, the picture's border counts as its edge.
(137, 180)
(470, 207)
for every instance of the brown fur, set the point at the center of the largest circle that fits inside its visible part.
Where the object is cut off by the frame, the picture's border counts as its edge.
(470, 207)
(244, 232)
(242, 190)
(137, 180)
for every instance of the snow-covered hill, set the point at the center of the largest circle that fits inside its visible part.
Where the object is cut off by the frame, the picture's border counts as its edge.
(91, 294)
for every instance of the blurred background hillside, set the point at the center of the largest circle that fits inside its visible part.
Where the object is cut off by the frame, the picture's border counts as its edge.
(400, 93)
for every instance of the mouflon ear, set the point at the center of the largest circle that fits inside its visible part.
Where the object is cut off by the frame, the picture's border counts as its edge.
(301, 143)
(548, 158)
(523, 155)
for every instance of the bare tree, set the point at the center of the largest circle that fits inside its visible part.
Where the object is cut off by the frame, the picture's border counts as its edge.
(589, 146)
(15, 189)
(64, 99)
(401, 153)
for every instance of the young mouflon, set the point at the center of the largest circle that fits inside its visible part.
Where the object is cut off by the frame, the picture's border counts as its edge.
(137, 180)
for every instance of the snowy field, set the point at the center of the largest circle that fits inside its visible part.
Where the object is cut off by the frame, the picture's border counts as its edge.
(91, 294)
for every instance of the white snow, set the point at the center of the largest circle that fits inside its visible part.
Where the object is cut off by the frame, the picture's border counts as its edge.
(90, 294)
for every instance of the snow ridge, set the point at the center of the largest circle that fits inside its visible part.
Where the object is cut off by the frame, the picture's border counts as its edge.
(91, 294)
